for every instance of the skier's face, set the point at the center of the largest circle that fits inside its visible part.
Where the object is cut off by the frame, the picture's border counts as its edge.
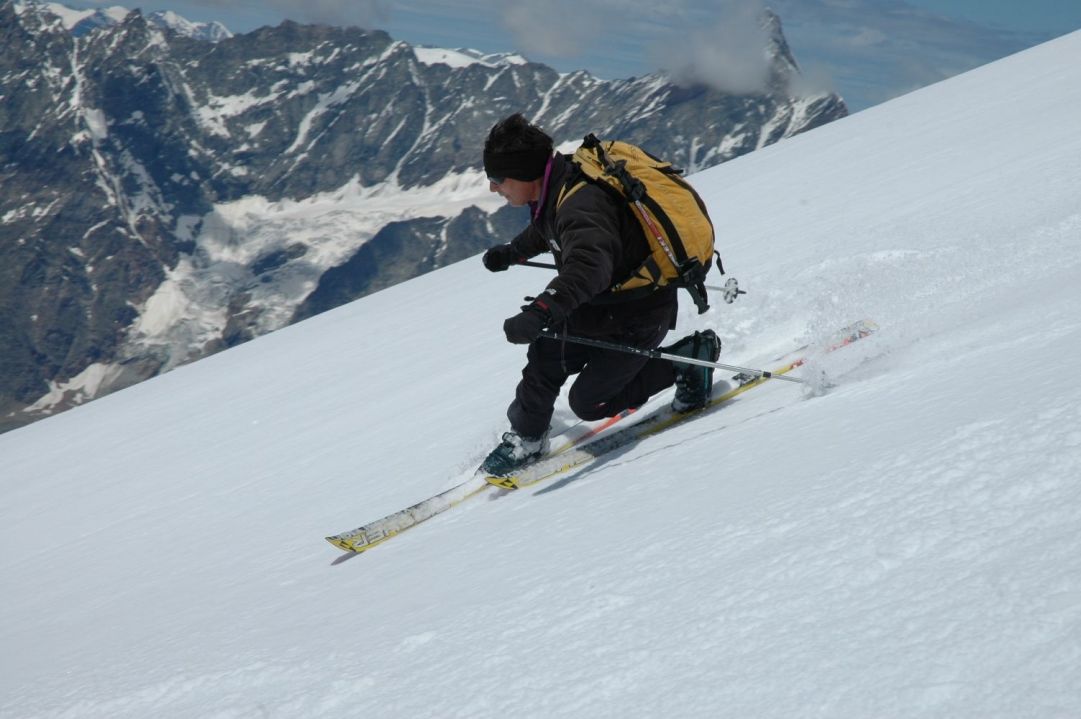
(516, 192)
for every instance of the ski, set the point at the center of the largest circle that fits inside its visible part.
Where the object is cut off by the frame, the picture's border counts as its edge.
(364, 538)
(580, 444)
(660, 420)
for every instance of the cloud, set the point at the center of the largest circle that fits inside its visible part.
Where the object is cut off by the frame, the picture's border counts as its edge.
(720, 43)
(871, 50)
(542, 28)
(878, 49)
(728, 52)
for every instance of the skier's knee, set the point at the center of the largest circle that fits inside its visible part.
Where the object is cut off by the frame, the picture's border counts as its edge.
(589, 410)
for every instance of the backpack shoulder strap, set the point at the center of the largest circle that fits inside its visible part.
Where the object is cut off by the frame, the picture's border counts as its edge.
(568, 189)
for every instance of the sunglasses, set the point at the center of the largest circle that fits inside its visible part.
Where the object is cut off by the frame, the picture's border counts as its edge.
(496, 180)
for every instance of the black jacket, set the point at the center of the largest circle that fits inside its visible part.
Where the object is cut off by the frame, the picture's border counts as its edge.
(596, 242)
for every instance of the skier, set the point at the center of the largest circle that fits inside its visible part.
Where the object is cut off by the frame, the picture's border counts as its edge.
(596, 242)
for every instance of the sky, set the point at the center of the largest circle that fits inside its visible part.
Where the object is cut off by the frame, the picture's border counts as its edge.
(867, 50)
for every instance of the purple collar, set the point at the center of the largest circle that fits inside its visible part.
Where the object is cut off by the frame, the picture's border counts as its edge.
(538, 206)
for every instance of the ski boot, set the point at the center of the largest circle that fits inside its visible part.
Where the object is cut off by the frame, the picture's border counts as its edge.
(694, 384)
(514, 452)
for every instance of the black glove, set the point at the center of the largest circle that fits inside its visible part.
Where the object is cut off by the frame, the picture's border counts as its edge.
(526, 326)
(500, 257)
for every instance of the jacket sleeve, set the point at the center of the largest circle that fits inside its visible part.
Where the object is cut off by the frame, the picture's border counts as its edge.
(529, 242)
(590, 248)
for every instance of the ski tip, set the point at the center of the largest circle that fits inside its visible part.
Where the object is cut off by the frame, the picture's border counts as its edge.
(341, 544)
(358, 544)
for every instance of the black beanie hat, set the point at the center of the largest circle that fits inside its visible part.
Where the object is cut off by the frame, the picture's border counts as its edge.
(524, 165)
(516, 149)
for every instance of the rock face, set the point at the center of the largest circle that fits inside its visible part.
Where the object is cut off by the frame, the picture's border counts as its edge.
(165, 193)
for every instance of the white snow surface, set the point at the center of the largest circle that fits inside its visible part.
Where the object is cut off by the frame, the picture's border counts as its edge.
(465, 57)
(907, 543)
(71, 17)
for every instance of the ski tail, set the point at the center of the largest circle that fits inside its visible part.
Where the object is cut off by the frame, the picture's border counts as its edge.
(665, 417)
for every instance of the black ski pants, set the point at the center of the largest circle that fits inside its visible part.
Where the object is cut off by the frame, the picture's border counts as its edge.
(608, 381)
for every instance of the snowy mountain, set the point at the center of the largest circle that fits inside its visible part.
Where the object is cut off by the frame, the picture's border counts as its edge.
(906, 544)
(84, 22)
(165, 197)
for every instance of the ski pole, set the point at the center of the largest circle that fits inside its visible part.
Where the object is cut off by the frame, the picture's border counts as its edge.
(657, 354)
(729, 291)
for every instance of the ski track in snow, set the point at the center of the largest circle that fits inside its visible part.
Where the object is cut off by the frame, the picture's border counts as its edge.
(904, 543)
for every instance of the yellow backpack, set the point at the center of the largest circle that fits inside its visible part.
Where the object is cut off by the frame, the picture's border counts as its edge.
(671, 213)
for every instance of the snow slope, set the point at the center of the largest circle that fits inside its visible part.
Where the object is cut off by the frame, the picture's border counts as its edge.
(907, 544)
